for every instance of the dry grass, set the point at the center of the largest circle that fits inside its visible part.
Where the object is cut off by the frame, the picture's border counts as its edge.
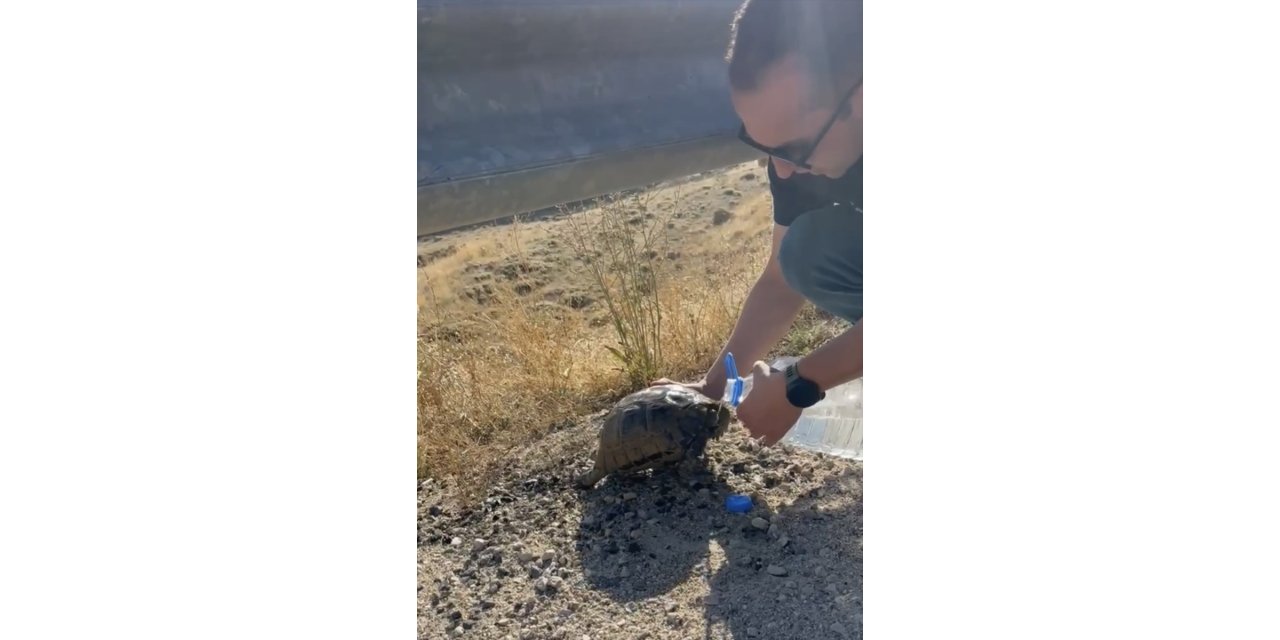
(490, 383)
(499, 370)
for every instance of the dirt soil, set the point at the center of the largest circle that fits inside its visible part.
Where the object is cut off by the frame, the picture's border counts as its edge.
(648, 557)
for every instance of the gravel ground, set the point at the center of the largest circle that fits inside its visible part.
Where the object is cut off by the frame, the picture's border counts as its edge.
(652, 556)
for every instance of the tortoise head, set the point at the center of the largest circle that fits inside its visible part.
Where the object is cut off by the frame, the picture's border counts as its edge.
(714, 415)
(719, 418)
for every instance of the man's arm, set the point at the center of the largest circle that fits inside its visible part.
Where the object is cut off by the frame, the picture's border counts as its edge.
(836, 362)
(767, 314)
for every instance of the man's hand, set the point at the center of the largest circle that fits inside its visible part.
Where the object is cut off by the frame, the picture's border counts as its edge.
(711, 390)
(766, 412)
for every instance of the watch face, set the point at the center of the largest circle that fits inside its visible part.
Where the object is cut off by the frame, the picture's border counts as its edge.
(804, 394)
(800, 392)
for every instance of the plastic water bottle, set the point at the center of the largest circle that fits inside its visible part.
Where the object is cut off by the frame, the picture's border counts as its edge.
(833, 425)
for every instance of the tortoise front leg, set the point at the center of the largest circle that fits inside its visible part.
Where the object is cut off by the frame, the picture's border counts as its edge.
(590, 478)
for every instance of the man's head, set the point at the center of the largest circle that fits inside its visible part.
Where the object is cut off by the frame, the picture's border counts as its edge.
(795, 67)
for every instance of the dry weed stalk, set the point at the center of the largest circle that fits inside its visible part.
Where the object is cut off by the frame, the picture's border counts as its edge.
(620, 244)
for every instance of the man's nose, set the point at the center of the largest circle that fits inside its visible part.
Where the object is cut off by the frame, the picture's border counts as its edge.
(783, 168)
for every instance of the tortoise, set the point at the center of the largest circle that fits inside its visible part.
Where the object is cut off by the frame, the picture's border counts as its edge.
(657, 426)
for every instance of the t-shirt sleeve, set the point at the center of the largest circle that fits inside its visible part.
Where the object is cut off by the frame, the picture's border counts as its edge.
(789, 201)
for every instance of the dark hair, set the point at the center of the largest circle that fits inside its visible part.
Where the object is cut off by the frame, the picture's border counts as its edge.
(826, 33)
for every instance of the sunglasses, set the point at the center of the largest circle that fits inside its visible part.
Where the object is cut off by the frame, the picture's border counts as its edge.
(796, 153)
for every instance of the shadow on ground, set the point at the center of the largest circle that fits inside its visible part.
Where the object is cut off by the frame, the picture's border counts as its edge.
(821, 594)
(641, 536)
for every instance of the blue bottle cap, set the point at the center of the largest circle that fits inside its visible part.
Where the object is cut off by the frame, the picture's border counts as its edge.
(738, 504)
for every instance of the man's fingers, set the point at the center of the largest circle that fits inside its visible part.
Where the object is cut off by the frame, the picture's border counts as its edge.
(759, 369)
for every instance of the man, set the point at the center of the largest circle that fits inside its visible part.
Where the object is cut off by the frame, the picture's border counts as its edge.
(795, 75)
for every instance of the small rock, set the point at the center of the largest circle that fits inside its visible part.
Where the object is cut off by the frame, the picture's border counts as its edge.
(555, 583)
(534, 571)
(525, 557)
(671, 606)
(773, 530)
(457, 542)
(548, 555)
(748, 177)
(456, 632)
(721, 216)
(478, 545)
(783, 541)
(673, 620)
(493, 588)
(776, 570)
(629, 495)
(760, 523)
(838, 628)
(540, 585)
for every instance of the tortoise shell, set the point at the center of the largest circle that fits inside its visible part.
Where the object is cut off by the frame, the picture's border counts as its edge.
(656, 426)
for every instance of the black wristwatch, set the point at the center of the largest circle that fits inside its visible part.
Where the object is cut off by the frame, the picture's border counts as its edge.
(801, 392)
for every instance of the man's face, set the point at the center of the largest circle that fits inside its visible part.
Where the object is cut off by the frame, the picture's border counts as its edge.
(779, 113)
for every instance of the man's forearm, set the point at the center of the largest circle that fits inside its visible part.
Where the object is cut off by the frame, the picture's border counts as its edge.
(836, 362)
(767, 314)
